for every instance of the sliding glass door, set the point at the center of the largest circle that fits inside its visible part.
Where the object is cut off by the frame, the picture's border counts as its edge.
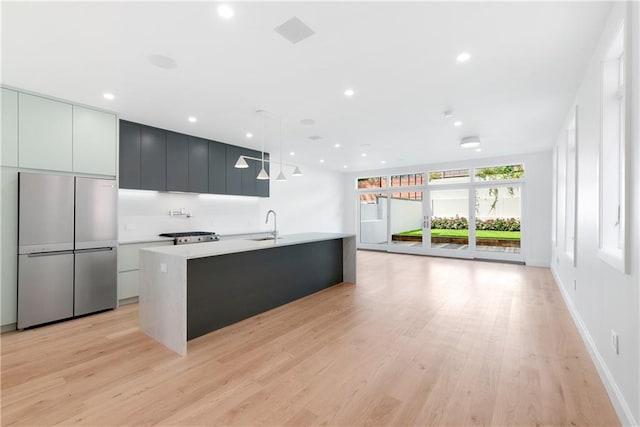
(498, 222)
(448, 221)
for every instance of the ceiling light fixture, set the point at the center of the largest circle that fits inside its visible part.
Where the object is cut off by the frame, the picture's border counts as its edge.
(297, 172)
(249, 135)
(457, 124)
(225, 11)
(463, 57)
(292, 153)
(470, 142)
(336, 145)
(192, 119)
(321, 160)
(263, 173)
(383, 161)
(349, 93)
(241, 163)
(364, 154)
(478, 150)
(345, 166)
(109, 96)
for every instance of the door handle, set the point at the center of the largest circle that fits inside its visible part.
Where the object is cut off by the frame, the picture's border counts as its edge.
(80, 251)
(41, 254)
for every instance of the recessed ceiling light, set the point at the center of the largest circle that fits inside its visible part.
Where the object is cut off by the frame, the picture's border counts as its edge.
(193, 119)
(364, 154)
(321, 160)
(463, 57)
(109, 96)
(249, 135)
(292, 153)
(478, 150)
(383, 161)
(470, 142)
(349, 93)
(457, 124)
(336, 145)
(225, 11)
(345, 166)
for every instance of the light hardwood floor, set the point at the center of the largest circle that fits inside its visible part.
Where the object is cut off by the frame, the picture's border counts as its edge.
(418, 341)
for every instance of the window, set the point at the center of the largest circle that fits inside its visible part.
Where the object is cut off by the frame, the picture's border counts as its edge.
(374, 182)
(449, 177)
(612, 155)
(407, 180)
(497, 173)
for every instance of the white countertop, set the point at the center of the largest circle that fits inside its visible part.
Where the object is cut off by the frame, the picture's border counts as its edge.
(143, 239)
(202, 250)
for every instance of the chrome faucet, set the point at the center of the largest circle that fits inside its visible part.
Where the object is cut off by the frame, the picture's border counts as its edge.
(275, 223)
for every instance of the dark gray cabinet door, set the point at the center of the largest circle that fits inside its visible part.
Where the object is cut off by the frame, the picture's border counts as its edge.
(153, 158)
(129, 155)
(262, 185)
(234, 175)
(198, 165)
(217, 168)
(249, 181)
(177, 162)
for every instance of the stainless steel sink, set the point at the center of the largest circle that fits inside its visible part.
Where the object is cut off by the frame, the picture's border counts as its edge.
(261, 239)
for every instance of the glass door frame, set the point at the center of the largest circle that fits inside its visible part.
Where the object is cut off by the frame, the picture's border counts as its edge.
(425, 249)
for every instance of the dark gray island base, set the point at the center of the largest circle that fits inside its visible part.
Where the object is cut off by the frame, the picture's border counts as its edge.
(190, 290)
(224, 289)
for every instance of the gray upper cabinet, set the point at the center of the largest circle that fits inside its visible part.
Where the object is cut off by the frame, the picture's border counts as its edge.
(217, 168)
(233, 174)
(9, 128)
(129, 176)
(94, 141)
(249, 181)
(198, 165)
(177, 162)
(156, 159)
(262, 185)
(153, 159)
(44, 133)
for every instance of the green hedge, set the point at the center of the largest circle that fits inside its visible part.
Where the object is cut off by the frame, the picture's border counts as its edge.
(461, 223)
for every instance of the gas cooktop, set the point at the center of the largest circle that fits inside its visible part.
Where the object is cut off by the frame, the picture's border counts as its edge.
(185, 237)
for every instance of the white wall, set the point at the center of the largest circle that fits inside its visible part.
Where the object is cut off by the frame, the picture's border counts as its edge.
(536, 196)
(312, 202)
(604, 298)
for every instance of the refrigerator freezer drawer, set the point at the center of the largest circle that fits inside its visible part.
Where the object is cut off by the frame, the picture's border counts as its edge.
(96, 213)
(45, 288)
(96, 280)
(45, 212)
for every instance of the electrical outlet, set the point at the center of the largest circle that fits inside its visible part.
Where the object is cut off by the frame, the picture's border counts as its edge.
(575, 284)
(614, 342)
(163, 267)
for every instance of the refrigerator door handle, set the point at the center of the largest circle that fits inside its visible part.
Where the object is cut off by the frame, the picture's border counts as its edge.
(40, 254)
(80, 251)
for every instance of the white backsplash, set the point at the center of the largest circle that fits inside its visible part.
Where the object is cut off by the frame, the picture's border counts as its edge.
(144, 214)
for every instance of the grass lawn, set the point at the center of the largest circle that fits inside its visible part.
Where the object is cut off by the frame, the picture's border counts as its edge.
(481, 234)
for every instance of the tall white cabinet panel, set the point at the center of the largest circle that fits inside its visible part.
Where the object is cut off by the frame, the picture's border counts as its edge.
(9, 155)
(9, 242)
(94, 141)
(45, 133)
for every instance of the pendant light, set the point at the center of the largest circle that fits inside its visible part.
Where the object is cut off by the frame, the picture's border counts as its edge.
(241, 163)
(297, 172)
(281, 176)
(263, 173)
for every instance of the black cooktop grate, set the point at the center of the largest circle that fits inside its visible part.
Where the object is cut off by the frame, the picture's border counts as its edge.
(188, 233)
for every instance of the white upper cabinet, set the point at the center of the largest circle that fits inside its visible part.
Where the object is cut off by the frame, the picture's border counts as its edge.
(45, 133)
(9, 155)
(94, 141)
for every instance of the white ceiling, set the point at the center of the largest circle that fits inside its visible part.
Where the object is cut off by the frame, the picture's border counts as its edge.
(400, 58)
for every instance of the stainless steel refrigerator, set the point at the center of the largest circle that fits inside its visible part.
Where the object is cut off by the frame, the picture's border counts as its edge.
(67, 247)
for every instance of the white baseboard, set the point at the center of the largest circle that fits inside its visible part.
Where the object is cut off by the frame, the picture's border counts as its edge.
(616, 396)
(537, 263)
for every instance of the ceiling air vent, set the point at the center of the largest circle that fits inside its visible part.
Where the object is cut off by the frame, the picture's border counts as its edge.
(294, 30)
(315, 138)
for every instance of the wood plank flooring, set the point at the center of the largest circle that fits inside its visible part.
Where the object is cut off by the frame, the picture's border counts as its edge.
(418, 341)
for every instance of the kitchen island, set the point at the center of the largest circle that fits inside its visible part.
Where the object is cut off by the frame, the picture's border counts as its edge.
(188, 291)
